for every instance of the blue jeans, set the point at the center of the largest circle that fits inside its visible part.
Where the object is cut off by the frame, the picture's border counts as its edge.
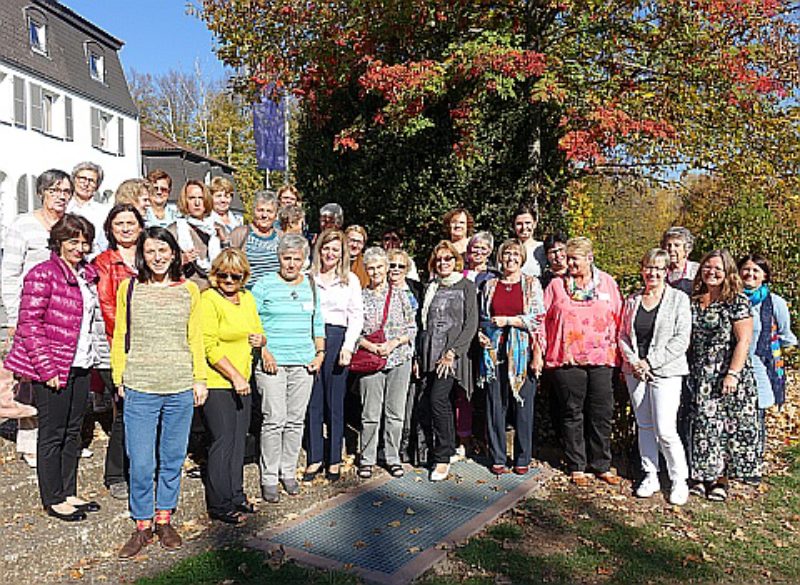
(156, 421)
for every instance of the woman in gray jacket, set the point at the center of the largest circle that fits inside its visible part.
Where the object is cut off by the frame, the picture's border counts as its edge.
(654, 337)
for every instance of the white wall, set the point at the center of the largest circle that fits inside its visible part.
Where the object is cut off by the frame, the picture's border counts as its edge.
(28, 152)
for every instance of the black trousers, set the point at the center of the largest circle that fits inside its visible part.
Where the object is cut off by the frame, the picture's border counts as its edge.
(442, 416)
(501, 403)
(227, 419)
(116, 467)
(58, 445)
(586, 399)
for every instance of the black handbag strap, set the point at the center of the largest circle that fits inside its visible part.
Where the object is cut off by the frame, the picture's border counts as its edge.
(128, 298)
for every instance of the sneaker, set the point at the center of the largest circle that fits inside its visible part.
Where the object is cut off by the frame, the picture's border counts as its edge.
(29, 459)
(679, 494)
(138, 540)
(86, 453)
(168, 537)
(459, 455)
(119, 490)
(440, 476)
(270, 494)
(649, 486)
(291, 486)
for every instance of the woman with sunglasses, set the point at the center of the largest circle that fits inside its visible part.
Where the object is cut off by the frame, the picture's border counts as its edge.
(231, 329)
(449, 322)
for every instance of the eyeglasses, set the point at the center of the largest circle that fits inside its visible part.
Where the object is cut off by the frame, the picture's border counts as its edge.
(54, 191)
(161, 189)
(395, 265)
(229, 276)
(391, 239)
(653, 268)
(556, 251)
(444, 259)
(88, 180)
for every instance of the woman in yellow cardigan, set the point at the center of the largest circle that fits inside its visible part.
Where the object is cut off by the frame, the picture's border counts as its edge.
(231, 329)
(158, 364)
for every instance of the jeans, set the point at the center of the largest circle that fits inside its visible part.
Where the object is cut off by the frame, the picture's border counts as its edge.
(284, 399)
(656, 404)
(327, 403)
(384, 395)
(58, 444)
(499, 399)
(586, 399)
(156, 422)
(227, 417)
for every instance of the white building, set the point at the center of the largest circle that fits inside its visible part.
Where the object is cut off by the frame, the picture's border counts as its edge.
(63, 100)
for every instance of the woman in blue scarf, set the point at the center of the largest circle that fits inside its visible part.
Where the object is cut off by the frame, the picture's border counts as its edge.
(772, 333)
(511, 311)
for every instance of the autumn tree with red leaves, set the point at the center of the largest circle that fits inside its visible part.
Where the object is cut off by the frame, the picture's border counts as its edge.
(413, 105)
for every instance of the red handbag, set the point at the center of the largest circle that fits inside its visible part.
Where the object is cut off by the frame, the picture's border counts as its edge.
(364, 361)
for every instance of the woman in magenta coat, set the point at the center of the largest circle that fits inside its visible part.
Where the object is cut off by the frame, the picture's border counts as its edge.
(56, 347)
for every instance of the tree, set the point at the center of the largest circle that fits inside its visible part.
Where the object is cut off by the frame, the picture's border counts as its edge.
(561, 87)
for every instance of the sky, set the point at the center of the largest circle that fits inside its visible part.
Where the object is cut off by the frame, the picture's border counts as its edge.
(158, 34)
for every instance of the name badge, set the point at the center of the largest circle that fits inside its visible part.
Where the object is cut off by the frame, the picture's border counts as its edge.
(308, 307)
(603, 296)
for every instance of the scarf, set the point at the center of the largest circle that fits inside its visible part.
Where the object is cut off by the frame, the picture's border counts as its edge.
(584, 294)
(186, 243)
(454, 278)
(517, 344)
(757, 295)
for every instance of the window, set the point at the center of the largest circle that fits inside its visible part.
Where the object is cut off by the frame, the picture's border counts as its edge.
(37, 32)
(96, 67)
(69, 129)
(20, 107)
(43, 103)
(101, 122)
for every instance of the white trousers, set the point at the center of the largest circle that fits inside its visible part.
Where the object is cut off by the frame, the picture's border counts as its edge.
(655, 404)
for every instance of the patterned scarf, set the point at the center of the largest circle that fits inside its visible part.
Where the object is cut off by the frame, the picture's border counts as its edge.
(517, 343)
(584, 294)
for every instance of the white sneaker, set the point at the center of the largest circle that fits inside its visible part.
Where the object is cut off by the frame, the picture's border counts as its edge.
(649, 486)
(459, 455)
(86, 453)
(680, 493)
(436, 476)
(29, 459)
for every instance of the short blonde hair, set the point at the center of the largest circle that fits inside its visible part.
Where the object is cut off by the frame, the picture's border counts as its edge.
(580, 245)
(183, 198)
(445, 245)
(291, 189)
(221, 184)
(396, 253)
(129, 191)
(356, 228)
(229, 260)
(511, 243)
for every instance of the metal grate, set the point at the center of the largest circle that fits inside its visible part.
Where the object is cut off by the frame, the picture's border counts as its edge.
(386, 527)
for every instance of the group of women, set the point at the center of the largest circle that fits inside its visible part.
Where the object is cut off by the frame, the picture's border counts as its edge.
(205, 318)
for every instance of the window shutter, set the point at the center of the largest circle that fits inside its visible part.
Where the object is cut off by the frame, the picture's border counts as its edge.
(22, 195)
(37, 201)
(121, 131)
(36, 107)
(69, 128)
(95, 127)
(19, 102)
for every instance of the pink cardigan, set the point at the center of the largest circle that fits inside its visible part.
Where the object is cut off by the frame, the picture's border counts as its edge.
(582, 333)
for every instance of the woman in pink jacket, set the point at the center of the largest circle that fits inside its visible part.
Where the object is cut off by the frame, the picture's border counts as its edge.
(582, 316)
(55, 347)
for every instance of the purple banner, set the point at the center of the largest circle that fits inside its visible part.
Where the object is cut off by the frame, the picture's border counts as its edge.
(269, 127)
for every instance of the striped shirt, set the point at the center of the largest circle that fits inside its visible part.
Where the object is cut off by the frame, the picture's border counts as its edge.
(292, 318)
(262, 253)
(25, 247)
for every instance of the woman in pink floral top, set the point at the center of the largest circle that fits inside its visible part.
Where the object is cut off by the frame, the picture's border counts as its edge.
(582, 317)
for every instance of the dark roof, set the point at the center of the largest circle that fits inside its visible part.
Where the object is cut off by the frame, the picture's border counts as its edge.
(153, 143)
(65, 65)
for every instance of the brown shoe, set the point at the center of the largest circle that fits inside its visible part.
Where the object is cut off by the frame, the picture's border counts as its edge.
(609, 477)
(168, 537)
(138, 540)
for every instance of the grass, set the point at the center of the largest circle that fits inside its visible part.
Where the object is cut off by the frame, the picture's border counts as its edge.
(586, 537)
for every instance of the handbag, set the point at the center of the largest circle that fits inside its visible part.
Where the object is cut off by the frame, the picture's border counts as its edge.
(366, 362)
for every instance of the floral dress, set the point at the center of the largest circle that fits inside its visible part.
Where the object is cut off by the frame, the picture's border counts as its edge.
(724, 429)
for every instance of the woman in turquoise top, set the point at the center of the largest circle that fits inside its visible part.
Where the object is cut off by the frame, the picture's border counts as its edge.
(290, 313)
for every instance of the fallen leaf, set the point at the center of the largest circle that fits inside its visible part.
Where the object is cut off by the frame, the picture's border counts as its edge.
(394, 523)
(377, 503)
(410, 512)
(359, 544)
(414, 550)
(414, 531)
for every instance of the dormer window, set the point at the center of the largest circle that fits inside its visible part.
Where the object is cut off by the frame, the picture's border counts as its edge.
(95, 58)
(37, 31)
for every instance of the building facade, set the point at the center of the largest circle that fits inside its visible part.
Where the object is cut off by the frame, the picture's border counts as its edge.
(63, 100)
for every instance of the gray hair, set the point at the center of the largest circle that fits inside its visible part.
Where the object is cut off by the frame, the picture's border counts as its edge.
(265, 196)
(654, 255)
(49, 178)
(485, 237)
(335, 210)
(293, 242)
(678, 233)
(89, 166)
(375, 254)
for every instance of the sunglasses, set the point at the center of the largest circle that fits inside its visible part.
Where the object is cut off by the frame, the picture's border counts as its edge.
(396, 265)
(229, 276)
(443, 259)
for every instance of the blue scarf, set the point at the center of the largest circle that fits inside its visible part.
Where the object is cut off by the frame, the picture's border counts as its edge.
(757, 295)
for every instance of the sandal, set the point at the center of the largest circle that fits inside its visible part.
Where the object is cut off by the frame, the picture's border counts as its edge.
(609, 477)
(396, 470)
(580, 479)
(365, 471)
(698, 489)
(718, 493)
